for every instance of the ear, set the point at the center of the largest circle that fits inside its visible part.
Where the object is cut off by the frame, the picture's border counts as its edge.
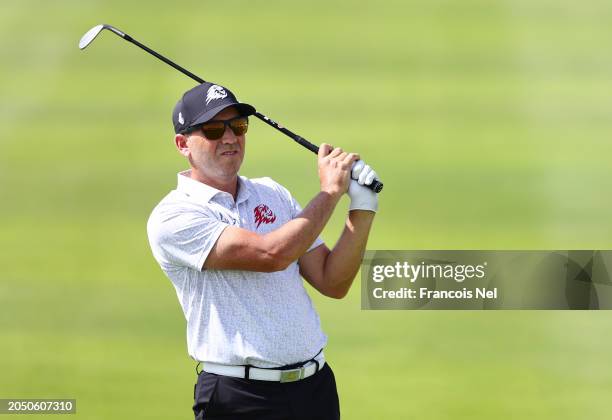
(180, 141)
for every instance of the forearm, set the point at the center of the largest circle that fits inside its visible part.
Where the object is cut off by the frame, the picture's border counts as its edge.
(292, 240)
(240, 249)
(344, 260)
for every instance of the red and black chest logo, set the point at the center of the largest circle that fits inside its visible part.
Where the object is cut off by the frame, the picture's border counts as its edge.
(263, 214)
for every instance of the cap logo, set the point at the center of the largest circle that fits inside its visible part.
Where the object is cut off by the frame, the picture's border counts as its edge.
(180, 118)
(215, 92)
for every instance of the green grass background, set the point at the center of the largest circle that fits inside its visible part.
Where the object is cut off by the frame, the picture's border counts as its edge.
(488, 121)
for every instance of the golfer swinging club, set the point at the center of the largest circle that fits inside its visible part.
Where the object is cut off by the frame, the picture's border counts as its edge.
(235, 249)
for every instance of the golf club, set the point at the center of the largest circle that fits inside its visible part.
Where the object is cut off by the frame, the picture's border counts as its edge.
(90, 35)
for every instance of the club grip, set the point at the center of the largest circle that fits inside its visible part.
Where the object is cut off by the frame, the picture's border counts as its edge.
(375, 186)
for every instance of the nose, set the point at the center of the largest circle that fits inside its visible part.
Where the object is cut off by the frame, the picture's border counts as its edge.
(228, 136)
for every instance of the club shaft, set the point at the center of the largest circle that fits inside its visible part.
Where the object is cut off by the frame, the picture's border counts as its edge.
(298, 139)
(164, 59)
(376, 185)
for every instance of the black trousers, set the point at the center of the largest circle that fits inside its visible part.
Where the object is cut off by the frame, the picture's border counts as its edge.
(224, 397)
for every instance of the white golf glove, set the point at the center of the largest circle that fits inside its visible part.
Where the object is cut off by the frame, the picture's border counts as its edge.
(362, 198)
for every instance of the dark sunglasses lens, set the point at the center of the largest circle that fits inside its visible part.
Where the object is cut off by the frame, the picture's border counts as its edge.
(239, 126)
(214, 130)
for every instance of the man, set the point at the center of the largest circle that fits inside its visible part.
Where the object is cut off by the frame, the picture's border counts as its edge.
(235, 248)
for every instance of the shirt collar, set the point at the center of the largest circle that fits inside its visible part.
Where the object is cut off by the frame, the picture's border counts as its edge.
(205, 192)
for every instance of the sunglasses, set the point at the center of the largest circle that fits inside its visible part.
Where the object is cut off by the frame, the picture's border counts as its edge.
(214, 130)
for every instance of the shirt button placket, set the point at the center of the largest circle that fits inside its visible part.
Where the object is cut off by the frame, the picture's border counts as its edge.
(235, 214)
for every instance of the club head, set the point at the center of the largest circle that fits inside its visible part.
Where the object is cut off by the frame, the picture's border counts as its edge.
(90, 36)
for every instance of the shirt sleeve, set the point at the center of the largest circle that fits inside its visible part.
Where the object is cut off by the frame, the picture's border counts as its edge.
(183, 237)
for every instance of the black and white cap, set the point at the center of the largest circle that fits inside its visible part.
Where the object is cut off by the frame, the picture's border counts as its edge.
(202, 103)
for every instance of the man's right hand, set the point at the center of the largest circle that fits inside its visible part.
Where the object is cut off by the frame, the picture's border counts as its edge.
(335, 169)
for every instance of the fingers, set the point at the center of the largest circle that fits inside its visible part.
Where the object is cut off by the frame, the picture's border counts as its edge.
(336, 152)
(327, 150)
(342, 159)
(337, 168)
(364, 173)
(324, 150)
(350, 158)
(370, 178)
(357, 168)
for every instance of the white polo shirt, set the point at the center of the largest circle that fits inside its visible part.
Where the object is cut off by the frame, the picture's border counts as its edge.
(234, 317)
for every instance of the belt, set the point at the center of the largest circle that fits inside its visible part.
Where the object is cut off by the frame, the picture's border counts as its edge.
(274, 375)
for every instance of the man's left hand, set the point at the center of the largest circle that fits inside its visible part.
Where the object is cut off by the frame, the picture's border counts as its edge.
(362, 198)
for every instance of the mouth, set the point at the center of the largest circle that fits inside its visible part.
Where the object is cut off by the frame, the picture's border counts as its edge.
(229, 153)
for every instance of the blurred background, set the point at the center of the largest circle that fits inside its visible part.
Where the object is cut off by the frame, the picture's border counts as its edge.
(488, 121)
